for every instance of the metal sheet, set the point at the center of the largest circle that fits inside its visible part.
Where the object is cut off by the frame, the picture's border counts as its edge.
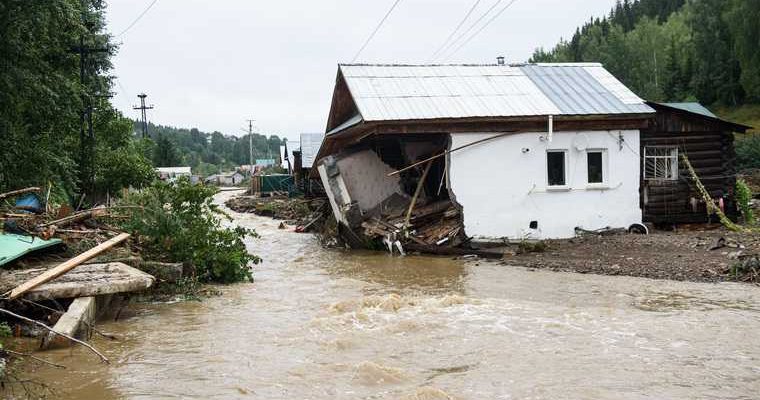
(310, 143)
(406, 92)
(13, 247)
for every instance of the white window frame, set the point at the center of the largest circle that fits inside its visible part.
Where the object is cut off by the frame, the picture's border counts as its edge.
(565, 170)
(605, 168)
(671, 159)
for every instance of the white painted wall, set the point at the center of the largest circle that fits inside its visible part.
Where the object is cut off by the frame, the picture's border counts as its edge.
(502, 188)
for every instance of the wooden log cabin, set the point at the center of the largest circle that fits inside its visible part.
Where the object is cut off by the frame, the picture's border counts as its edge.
(668, 193)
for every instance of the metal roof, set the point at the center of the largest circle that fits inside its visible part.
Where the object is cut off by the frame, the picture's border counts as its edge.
(310, 143)
(695, 108)
(413, 92)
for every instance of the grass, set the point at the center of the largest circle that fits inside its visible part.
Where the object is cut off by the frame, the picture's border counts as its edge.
(747, 115)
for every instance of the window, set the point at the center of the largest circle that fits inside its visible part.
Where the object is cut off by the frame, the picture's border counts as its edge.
(595, 166)
(661, 163)
(555, 167)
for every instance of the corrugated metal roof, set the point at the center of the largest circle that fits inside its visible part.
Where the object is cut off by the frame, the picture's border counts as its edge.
(310, 143)
(408, 92)
(695, 108)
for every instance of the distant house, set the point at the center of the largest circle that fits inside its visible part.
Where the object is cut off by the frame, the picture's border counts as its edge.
(668, 193)
(303, 161)
(172, 173)
(226, 179)
(523, 151)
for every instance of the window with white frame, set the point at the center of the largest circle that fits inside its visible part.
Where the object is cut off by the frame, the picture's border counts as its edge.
(661, 163)
(595, 166)
(556, 171)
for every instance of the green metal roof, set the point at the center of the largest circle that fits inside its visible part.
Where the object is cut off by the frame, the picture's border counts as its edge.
(695, 108)
(13, 247)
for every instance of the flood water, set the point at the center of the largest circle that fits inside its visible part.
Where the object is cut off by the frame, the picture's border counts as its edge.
(325, 324)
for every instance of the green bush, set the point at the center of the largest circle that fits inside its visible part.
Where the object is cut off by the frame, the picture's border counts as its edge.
(747, 152)
(179, 223)
(743, 197)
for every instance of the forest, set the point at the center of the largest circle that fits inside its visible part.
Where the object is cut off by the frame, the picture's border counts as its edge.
(674, 50)
(206, 153)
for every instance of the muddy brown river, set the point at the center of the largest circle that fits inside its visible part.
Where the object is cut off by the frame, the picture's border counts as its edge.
(326, 324)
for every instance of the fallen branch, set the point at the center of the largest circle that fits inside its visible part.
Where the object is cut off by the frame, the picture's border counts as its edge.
(52, 364)
(95, 212)
(18, 192)
(709, 202)
(40, 324)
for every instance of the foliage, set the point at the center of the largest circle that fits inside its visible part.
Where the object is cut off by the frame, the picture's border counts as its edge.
(674, 50)
(207, 153)
(743, 197)
(180, 223)
(42, 98)
(747, 152)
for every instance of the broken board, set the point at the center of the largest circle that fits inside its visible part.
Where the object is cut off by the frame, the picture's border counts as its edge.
(13, 247)
(82, 281)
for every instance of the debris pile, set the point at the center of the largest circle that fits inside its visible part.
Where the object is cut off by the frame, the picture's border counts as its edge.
(303, 213)
(50, 248)
(435, 224)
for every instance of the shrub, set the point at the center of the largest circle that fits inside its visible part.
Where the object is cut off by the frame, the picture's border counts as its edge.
(743, 197)
(747, 152)
(179, 223)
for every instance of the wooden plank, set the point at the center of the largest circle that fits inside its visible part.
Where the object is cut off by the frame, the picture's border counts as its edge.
(66, 266)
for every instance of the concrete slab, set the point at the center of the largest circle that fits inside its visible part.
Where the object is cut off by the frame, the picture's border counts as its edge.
(76, 322)
(82, 281)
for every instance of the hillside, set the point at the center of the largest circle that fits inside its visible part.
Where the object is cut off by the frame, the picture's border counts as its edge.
(206, 153)
(674, 50)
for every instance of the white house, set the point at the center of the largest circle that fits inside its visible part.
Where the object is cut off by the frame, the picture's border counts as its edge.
(524, 151)
(172, 173)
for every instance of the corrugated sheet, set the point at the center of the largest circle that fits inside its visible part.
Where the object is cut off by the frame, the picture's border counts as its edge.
(405, 92)
(310, 143)
(695, 108)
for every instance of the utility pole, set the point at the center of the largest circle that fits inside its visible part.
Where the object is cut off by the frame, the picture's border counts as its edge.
(250, 150)
(143, 108)
(86, 135)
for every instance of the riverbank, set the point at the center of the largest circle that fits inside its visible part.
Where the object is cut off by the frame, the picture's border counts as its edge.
(702, 254)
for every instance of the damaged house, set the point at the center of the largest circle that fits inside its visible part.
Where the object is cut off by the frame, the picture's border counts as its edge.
(430, 156)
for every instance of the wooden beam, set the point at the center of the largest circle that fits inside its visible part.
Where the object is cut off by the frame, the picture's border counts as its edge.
(66, 266)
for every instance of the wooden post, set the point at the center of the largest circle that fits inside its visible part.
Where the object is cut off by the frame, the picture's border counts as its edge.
(417, 193)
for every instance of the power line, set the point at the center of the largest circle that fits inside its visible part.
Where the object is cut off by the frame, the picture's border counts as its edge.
(474, 6)
(139, 17)
(482, 28)
(474, 24)
(372, 35)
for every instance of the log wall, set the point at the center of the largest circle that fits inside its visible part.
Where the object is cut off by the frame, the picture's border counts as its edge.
(709, 145)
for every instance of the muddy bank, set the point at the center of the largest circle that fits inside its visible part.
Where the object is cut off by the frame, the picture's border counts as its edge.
(687, 255)
(294, 211)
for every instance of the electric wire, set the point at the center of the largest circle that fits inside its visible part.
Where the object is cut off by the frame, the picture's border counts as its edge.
(459, 26)
(139, 17)
(377, 28)
(482, 28)
(471, 27)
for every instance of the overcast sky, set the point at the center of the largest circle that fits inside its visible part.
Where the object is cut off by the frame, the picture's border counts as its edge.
(213, 64)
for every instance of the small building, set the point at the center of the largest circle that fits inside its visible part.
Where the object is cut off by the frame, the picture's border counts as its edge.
(226, 179)
(668, 193)
(172, 173)
(522, 151)
(303, 161)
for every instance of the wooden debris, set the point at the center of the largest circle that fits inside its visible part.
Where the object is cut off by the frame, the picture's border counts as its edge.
(66, 266)
(19, 192)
